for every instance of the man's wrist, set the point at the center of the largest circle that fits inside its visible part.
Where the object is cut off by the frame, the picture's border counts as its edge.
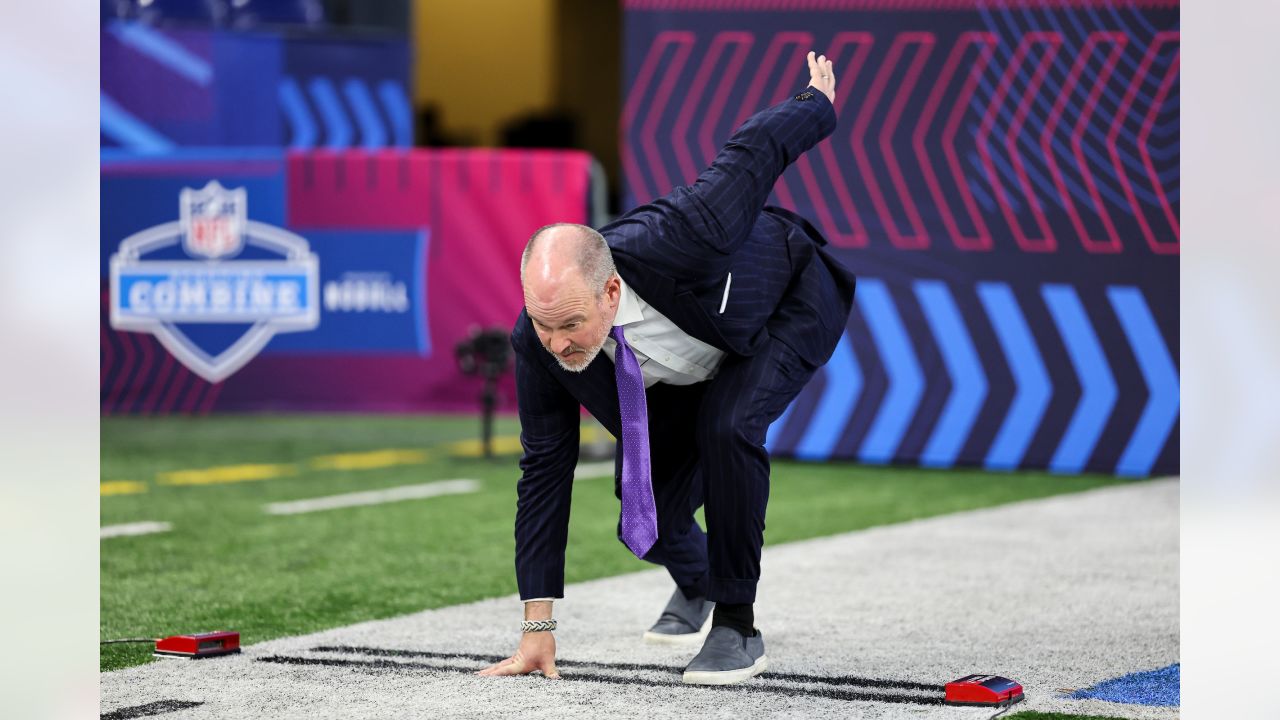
(535, 610)
(531, 626)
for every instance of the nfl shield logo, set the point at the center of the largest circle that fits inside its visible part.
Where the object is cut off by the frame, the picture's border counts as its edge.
(213, 220)
(214, 312)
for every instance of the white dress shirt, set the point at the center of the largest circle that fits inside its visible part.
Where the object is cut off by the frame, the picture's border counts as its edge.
(665, 352)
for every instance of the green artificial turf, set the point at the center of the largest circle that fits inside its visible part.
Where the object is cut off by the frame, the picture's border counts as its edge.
(228, 565)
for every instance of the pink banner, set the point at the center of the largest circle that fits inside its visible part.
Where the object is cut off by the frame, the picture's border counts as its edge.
(465, 216)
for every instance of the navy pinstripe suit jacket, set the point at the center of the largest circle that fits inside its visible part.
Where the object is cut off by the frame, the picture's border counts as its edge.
(678, 253)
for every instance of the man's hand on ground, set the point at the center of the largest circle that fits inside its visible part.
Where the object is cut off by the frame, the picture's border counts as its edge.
(537, 652)
(821, 76)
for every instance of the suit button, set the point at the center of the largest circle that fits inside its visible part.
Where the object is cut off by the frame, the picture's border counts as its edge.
(806, 95)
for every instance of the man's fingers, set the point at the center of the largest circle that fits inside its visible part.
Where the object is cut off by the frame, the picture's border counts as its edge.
(820, 70)
(822, 74)
(549, 669)
(514, 667)
(499, 667)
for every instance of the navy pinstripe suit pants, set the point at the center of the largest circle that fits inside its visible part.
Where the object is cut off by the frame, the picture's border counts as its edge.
(707, 448)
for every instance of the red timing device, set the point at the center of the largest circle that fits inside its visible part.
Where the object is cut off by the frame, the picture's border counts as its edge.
(200, 645)
(983, 690)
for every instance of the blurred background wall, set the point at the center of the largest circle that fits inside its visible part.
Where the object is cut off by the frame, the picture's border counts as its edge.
(544, 71)
(1004, 181)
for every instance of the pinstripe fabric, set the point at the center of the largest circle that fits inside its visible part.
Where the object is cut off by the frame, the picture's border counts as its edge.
(781, 320)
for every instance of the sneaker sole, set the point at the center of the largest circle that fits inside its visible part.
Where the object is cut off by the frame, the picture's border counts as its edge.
(725, 677)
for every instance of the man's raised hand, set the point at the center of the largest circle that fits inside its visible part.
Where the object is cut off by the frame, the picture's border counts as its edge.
(821, 76)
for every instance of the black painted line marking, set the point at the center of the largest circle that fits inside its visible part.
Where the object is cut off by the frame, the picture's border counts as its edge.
(155, 708)
(858, 681)
(614, 680)
(793, 677)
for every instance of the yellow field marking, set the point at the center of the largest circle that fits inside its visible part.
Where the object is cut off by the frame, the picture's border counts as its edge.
(594, 433)
(370, 460)
(510, 444)
(121, 487)
(502, 445)
(227, 474)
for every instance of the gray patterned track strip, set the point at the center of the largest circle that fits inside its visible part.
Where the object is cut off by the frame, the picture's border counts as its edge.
(793, 677)
(829, 694)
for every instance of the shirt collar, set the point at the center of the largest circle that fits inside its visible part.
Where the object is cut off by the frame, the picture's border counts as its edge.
(630, 306)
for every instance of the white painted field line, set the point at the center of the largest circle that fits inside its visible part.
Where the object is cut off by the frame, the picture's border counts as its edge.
(374, 497)
(138, 528)
(589, 471)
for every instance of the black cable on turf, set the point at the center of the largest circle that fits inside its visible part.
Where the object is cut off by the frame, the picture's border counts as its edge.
(128, 640)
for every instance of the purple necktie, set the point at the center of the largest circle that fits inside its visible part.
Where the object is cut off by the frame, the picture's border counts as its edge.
(639, 517)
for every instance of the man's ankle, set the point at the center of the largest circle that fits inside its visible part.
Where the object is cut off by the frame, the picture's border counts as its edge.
(740, 617)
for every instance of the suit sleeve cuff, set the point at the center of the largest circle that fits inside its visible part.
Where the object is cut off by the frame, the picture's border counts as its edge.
(827, 110)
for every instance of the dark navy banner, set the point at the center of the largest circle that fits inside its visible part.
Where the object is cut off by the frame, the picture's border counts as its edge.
(1004, 181)
(373, 294)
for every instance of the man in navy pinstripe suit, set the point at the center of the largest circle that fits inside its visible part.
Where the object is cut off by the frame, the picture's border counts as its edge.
(728, 307)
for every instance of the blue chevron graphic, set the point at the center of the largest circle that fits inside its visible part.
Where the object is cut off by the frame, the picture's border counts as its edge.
(1097, 385)
(968, 379)
(164, 50)
(1029, 374)
(398, 109)
(1160, 374)
(1094, 148)
(775, 429)
(906, 381)
(1002, 167)
(337, 129)
(295, 109)
(978, 191)
(118, 124)
(839, 398)
(372, 134)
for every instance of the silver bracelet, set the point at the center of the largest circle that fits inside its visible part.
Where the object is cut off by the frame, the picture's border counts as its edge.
(537, 625)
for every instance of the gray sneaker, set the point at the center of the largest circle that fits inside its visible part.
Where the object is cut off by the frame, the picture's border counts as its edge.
(727, 658)
(683, 621)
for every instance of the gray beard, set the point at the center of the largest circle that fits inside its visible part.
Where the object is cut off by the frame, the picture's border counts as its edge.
(591, 356)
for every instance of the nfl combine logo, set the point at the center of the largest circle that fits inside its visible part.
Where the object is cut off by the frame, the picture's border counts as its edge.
(214, 287)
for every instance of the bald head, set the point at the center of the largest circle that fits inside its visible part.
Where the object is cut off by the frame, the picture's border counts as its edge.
(571, 291)
(557, 253)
